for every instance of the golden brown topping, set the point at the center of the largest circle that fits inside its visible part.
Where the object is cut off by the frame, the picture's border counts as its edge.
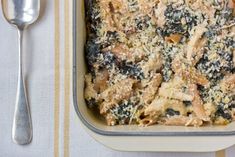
(110, 119)
(173, 38)
(89, 88)
(168, 62)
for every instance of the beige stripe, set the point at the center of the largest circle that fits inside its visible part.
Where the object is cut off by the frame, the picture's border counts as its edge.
(220, 153)
(67, 79)
(57, 78)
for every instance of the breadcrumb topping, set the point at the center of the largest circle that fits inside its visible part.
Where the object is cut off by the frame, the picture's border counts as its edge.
(166, 62)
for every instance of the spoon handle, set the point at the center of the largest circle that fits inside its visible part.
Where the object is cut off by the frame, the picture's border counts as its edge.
(22, 123)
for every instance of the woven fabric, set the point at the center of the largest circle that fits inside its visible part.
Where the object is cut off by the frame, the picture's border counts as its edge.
(57, 131)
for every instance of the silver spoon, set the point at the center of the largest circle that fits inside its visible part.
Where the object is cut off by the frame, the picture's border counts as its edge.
(21, 13)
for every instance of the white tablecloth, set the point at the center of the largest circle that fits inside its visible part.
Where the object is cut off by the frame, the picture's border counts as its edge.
(47, 61)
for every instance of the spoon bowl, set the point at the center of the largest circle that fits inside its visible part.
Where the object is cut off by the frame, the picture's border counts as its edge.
(21, 13)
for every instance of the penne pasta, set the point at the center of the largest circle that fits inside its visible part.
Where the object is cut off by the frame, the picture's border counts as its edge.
(197, 104)
(149, 92)
(159, 14)
(119, 91)
(182, 121)
(189, 73)
(121, 51)
(175, 94)
(175, 90)
(195, 45)
(160, 105)
(147, 121)
(100, 83)
(156, 107)
(231, 5)
(152, 65)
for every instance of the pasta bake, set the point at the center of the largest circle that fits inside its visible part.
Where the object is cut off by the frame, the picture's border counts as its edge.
(167, 62)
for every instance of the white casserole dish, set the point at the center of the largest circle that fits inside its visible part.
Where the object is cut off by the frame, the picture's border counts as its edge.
(135, 138)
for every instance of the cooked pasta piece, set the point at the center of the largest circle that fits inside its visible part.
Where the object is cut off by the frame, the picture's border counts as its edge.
(156, 107)
(189, 73)
(152, 65)
(105, 106)
(197, 103)
(149, 92)
(147, 121)
(231, 5)
(119, 91)
(159, 13)
(160, 105)
(182, 121)
(100, 83)
(120, 51)
(113, 95)
(174, 91)
(175, 94)
(196, 44)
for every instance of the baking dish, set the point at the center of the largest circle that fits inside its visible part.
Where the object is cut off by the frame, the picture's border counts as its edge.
(135, 138)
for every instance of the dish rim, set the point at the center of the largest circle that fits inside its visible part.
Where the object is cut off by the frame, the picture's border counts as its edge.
(113, 133)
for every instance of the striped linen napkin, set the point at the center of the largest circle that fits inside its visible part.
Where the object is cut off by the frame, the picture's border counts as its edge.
(47, 60)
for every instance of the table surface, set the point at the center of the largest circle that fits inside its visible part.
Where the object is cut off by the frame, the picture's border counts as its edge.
(47, 68)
